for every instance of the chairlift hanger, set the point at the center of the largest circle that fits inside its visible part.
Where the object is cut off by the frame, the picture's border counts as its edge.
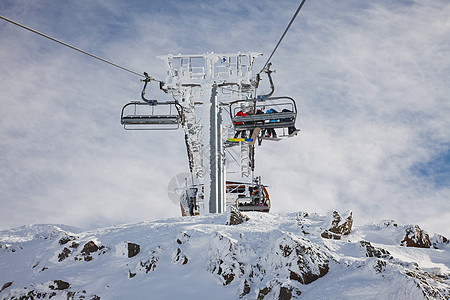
(284, 117)
(269, 72)
(141, 115)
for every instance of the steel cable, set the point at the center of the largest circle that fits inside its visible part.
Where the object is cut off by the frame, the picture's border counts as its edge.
(287, 28)
(74, 48)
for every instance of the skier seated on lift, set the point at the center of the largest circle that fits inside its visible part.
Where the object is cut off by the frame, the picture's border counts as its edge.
(291, 129)
(242, 113)
(255, 196)
(192, 199)
(271, 131)
(257, 123)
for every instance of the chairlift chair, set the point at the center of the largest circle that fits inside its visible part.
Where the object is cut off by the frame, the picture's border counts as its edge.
(256, 202)
(279, 119)
(249, 197)
(151, 114)
(256, 115)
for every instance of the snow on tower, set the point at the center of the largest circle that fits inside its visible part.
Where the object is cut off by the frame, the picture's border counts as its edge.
(202, 84)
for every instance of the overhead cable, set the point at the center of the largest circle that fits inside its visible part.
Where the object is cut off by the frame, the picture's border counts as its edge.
(74, 48)
(287, 28)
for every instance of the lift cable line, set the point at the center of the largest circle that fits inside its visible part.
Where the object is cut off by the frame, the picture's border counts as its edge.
(279, 42)
(77, 49)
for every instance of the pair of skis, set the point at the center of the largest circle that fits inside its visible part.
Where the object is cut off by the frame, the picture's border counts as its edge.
(250, 140)
(255, 134)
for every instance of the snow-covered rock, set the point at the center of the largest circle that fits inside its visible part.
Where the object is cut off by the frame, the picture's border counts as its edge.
(266, 256)
(416, 237)
(337, 225)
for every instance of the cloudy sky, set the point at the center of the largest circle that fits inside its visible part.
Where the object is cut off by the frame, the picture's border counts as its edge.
(371, 79)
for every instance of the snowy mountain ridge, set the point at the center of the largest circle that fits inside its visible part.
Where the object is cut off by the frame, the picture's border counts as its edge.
(262, 256)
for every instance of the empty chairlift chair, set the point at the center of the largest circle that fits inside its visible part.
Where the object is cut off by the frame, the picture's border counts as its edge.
(151, 114)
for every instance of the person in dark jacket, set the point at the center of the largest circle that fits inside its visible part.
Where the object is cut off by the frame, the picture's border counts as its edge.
(291, 129)
(192, 199)
(270, 132)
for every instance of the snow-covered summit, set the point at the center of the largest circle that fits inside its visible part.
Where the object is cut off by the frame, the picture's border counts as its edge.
(268, 256)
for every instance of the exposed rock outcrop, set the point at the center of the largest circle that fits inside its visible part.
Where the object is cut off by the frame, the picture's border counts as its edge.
(438, 241)
(89, 249)
(295, 261)
(6, 285)
(150, 264)
(416, 237)
(179, 257)
(133, 249)
(339, 226)
(372, 251)
(236, 217)
(275, 289)
(64, 254)
(66, 238)
(59, 285)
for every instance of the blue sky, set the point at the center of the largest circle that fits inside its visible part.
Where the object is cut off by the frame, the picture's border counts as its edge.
(371, 80)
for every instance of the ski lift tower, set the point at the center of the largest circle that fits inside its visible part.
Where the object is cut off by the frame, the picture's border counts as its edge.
(204, 85)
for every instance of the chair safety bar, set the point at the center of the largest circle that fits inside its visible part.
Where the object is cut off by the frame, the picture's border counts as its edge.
(151, 115)
(263, 208)
(245, 204)
(285, 115)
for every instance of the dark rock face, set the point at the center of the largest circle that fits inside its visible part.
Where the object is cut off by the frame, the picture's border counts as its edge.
(180, 257)
(236, 217)
(150, 264)
(416, 237)
(85, 254)
(278, 290)
(245, 289)
(67, 238)
(371, 251)
(60, 285)
(57, 287)
(338, 227)
(89, 248)
(6, 285)
(133, 249)
(64, 254)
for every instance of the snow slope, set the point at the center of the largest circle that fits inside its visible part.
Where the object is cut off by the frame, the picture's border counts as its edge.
(270, 256)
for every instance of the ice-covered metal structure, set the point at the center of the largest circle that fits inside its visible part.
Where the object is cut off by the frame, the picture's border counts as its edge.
(205, 89)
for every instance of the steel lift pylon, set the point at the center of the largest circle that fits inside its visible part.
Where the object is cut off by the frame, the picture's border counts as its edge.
(203, 85)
